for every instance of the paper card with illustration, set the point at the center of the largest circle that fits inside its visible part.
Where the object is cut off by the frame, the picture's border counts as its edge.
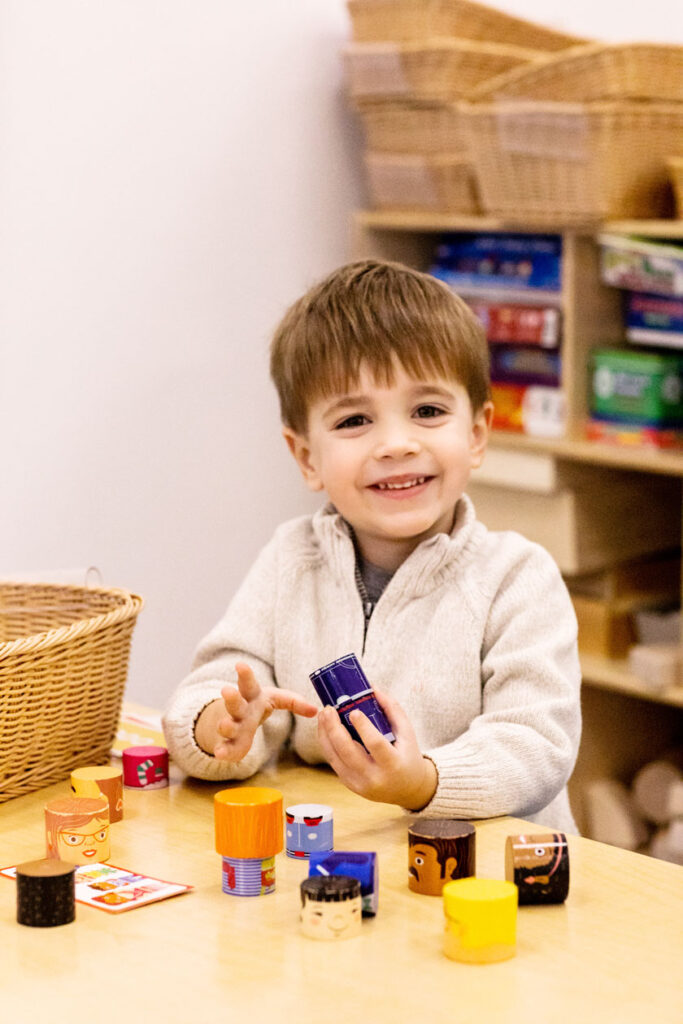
(113, 889)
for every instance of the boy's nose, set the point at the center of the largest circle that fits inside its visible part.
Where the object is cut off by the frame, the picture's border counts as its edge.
(396, 441)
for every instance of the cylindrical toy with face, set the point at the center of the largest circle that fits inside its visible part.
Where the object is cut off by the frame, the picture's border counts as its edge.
(539, 867)
(439, 850)
(77, 829)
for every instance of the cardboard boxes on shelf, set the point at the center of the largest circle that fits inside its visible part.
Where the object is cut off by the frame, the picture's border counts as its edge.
(586, 520)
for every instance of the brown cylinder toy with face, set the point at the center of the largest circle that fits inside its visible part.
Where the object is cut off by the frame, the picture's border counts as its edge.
(539, 867)
(439, 850)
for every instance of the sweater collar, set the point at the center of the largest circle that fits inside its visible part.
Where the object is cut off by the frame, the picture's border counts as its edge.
(425, 566)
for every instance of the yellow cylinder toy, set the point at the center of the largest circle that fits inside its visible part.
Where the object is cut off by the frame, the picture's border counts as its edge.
(101, 780)
(481, 920)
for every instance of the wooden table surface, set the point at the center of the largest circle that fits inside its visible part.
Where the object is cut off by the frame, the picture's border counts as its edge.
(612, 953)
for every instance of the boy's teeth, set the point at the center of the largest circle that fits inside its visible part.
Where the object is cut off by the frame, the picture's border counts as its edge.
(399, 487)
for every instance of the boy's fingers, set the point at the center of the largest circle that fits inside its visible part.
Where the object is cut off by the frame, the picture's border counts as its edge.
(235, 704)
(287, 700)
(228, 727)
(398, 720)
(338, 764)
(350, 753)
(226, 750)
(246, 682)
(377, 746)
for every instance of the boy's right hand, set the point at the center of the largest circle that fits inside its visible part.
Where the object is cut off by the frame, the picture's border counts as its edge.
(226, 727)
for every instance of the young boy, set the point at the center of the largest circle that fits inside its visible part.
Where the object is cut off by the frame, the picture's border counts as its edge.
(468, 636)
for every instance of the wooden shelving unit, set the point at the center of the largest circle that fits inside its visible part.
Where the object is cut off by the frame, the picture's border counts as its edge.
(625, 722)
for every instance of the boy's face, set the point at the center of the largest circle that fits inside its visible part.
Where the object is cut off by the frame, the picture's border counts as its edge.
(394, 460)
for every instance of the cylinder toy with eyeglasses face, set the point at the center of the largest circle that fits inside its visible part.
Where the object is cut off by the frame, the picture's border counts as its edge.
(77, 829)
(539, 867)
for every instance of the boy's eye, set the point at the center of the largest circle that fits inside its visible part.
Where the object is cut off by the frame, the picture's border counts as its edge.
(429, 411)
(358, 420)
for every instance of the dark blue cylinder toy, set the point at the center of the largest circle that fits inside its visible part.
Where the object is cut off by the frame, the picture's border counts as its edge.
(343, 685)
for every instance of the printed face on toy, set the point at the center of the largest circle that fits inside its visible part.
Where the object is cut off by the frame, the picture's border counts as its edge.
(537, 860)
(85, 844)
(393, 458)
(426, 869)
(308, 835)
(330, 920)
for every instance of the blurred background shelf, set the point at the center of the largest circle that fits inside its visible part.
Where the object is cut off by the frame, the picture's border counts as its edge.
(613, 674)
(625, 722)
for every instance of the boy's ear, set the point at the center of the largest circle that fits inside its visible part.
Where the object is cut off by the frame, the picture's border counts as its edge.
(481, 428)
(300, 449)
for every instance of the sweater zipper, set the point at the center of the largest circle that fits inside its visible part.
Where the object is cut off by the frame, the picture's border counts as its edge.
(368, 605)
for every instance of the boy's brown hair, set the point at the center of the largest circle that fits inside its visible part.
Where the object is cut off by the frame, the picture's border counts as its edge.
(374, 312)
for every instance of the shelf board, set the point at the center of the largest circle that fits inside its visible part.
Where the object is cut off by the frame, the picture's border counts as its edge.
(390, 220)
(613, 674)
(641, 459)
(651, 228)
(517, 296)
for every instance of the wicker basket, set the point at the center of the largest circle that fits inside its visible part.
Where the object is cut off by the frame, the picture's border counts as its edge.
(374, 21)
(426, 130)
(433, 71)
(675, 165)
(63, 663)
(568, 163)
(637, 71)
(443, 184)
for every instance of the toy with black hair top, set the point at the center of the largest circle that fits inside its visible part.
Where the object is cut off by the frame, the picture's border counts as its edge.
(330, 907)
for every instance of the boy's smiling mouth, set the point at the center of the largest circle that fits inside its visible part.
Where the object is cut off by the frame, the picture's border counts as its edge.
(397, 486)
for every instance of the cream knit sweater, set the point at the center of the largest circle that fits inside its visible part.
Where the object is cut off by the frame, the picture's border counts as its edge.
(474, 635)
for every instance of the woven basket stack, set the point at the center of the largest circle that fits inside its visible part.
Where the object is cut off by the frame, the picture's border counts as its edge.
(411, 67)
(469, 110)
(585, 135)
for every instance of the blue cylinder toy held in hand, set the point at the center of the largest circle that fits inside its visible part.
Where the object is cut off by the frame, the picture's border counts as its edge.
(343, 685)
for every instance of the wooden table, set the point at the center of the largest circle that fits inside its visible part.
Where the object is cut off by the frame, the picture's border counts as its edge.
(612, 953)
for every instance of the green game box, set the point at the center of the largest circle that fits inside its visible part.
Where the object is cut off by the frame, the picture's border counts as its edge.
(644, 388)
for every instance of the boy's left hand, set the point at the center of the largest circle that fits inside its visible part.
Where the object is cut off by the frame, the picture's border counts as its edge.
(389, 773)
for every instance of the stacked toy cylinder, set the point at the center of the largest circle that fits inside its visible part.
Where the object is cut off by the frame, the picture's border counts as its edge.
(77, 829)
(249, 834)
(101, 780)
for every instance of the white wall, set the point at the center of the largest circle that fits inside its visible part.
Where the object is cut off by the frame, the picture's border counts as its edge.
(172, 174)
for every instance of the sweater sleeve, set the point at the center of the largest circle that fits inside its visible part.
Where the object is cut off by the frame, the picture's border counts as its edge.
(245, 633)
(519, 752)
